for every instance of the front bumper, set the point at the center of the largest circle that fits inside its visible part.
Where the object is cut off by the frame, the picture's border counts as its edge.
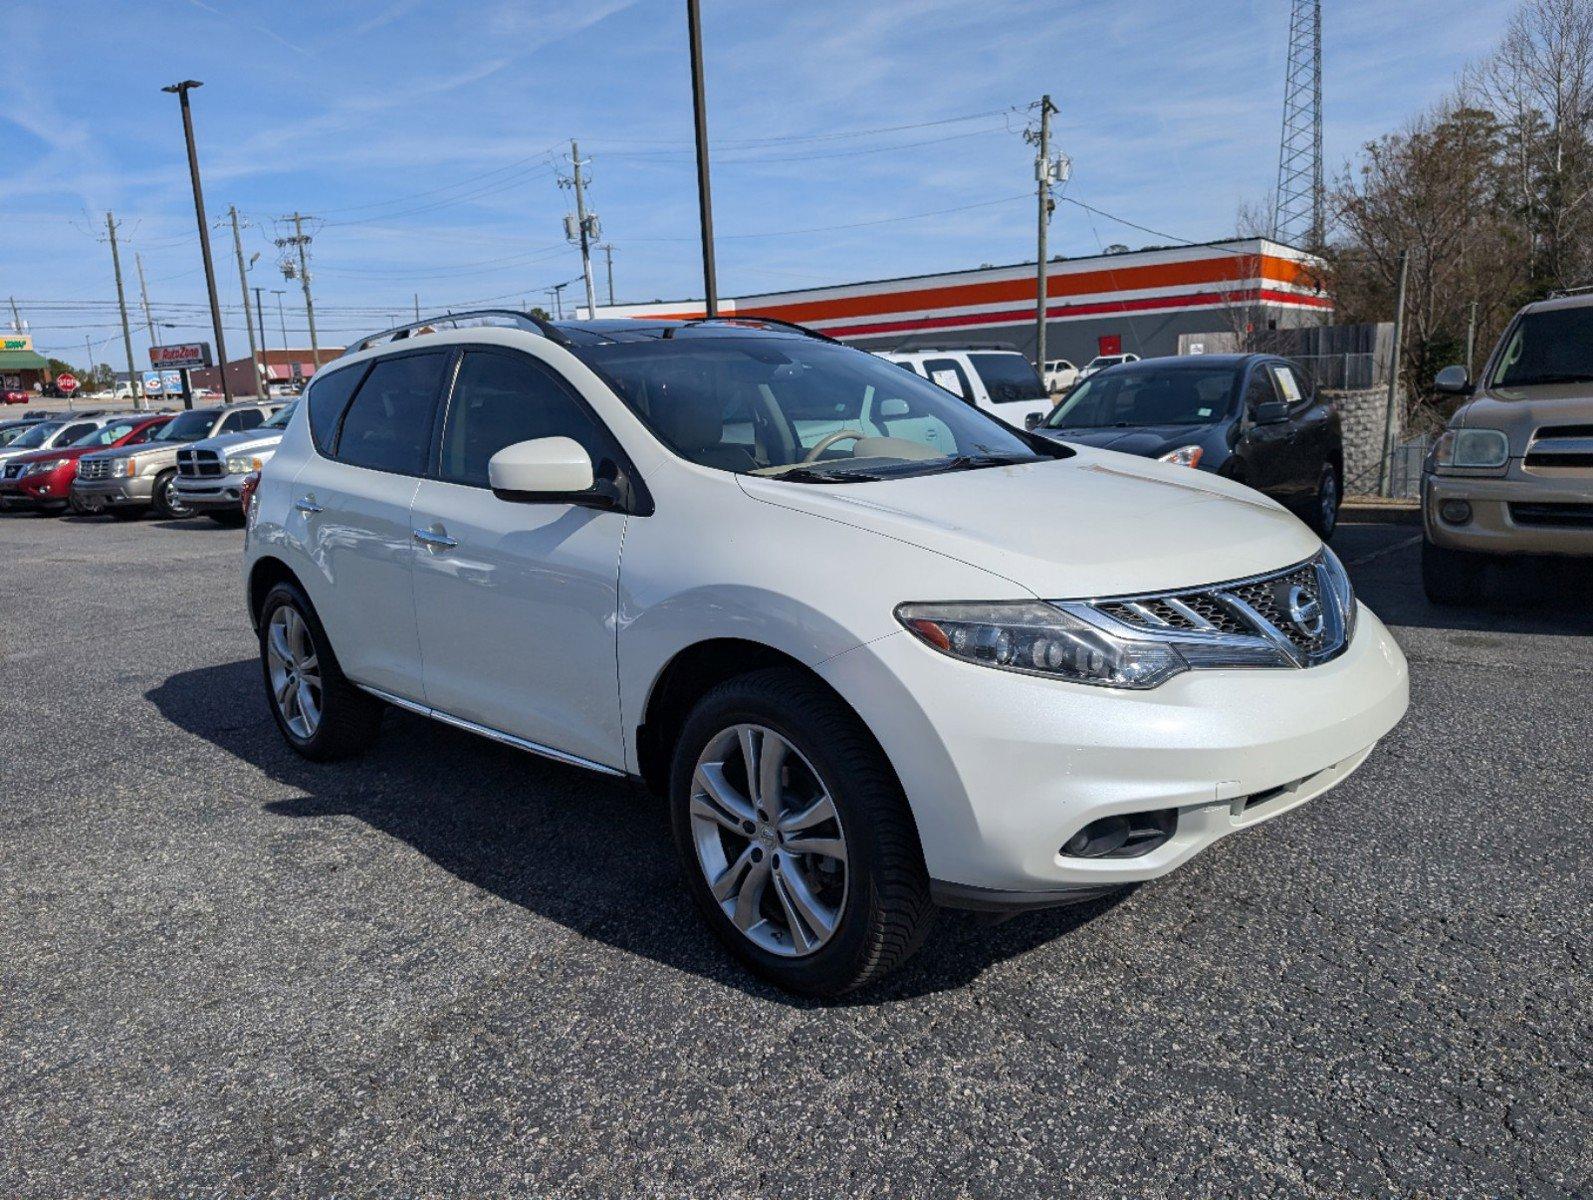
(214, 491)
(110, 493)
(1002, 769)
(34, 492)
(1494, 527)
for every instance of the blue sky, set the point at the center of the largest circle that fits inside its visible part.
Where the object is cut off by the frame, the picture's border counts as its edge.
(424, 136)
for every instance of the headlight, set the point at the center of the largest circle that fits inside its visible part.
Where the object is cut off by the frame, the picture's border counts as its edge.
(1033, 638)
(1467, 448)
(124, 467)
(1343, 591)
(1184, 456)
(39, 468)
(243, 464)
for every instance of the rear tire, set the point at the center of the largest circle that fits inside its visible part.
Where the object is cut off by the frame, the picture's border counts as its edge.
(1324, 516)
(321, 714)
(1451, 577)
(870, 919)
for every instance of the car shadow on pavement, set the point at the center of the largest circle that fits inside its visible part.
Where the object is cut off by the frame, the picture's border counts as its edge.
(590, 853)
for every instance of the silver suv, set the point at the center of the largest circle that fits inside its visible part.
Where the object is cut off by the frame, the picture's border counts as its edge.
(130, 480)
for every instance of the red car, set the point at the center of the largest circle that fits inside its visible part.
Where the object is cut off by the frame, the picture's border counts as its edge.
(13, 396)
(42, 480)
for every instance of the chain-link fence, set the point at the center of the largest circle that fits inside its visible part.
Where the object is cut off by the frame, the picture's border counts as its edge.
(1404, 471)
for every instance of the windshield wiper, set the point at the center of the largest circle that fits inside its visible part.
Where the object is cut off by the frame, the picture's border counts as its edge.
(813, 475)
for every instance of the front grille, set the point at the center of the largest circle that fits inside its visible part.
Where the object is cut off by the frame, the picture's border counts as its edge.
(1561, 446)
(89, 468)
(1297, 609)
(199, 464)
(1560, 516)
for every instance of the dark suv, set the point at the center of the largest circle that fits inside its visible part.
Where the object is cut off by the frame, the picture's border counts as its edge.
(1254, 418)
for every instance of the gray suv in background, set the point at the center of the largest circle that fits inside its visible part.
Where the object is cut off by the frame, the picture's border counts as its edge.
(130, 480)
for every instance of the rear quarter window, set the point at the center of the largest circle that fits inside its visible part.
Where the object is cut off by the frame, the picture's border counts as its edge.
(328, 396)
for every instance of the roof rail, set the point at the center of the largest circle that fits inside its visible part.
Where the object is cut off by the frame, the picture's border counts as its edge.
(754, 318)
(1570, 291)
(521, 320)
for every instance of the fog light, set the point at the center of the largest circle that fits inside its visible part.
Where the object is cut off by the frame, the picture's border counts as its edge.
(1126, 836)
(1455, 512)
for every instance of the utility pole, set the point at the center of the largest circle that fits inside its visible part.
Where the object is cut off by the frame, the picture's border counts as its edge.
(143, 295)
(1390, 419)
(1471, 337)
(121, 303)
(243, 282)
(608, 255)
(259, 320)
(557, 291)
(181, 91)
(1045, 171)
(417, 306)
(16, 317)
(705, 206)
(282, 319)
(300, 240)
(583, 228)
(92, 378)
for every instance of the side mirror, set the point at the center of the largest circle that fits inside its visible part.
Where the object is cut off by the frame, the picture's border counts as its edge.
(547, 470)
(1453, 380)
(890, 409)
(1272, 412)
(1030, 420)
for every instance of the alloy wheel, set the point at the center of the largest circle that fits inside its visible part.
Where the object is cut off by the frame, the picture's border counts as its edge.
(769, 840)
(295, 671)
(169, 501)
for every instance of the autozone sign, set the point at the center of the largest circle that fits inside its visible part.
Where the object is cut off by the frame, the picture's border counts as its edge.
(189, 356)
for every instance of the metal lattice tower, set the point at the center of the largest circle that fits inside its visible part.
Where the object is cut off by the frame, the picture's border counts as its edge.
(1297, 215)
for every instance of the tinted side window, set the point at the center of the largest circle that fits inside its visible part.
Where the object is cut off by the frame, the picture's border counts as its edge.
(947, 372)
(388, 426)
(1258, 392)
(501, 399)
(72, 433)
(329, 395)
(247, 418)
(1289, 385)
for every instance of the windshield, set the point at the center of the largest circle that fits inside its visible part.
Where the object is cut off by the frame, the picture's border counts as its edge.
(805, 409)
(11, 433)
(190, 426)
(37, 436)
(1008, 377)
(280, 421)
(1555, 346)
(107, 435)
(1178, 396)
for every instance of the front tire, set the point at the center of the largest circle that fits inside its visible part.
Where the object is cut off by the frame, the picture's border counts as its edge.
(794, 835)
(167, 503)
(1451, 577)
(321, 714)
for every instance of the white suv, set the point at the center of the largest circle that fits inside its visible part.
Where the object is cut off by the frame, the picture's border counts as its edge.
(1001, 382)
(880, 651)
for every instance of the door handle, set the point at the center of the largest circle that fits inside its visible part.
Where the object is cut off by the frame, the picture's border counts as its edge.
(307, 505)
(433, 541)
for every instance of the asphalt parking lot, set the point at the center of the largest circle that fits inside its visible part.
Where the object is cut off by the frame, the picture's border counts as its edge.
(453, 969)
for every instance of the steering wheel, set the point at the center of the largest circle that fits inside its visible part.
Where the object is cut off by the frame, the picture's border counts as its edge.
(829, 439)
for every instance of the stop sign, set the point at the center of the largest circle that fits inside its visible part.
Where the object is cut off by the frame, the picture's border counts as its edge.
(66, 381)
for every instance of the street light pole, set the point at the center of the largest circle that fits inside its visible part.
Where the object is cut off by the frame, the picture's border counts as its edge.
(705, 206)
(181, 90)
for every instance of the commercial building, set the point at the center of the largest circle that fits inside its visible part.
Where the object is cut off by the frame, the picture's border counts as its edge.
(21, 367)
(1135, 301)
(276, 366)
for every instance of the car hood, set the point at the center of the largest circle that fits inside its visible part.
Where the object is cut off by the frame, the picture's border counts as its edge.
(1147, 441)
(140, 448)
(239, 443)
(1519, 412)
(1097, 524)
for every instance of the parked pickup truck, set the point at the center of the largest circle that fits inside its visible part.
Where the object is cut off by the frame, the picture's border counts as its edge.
(129, 481)
(210, 473)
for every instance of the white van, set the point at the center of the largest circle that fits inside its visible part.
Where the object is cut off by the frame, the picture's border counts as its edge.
(1000, 382)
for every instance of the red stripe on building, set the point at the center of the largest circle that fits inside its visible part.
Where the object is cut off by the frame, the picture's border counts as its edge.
(1016, 316)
